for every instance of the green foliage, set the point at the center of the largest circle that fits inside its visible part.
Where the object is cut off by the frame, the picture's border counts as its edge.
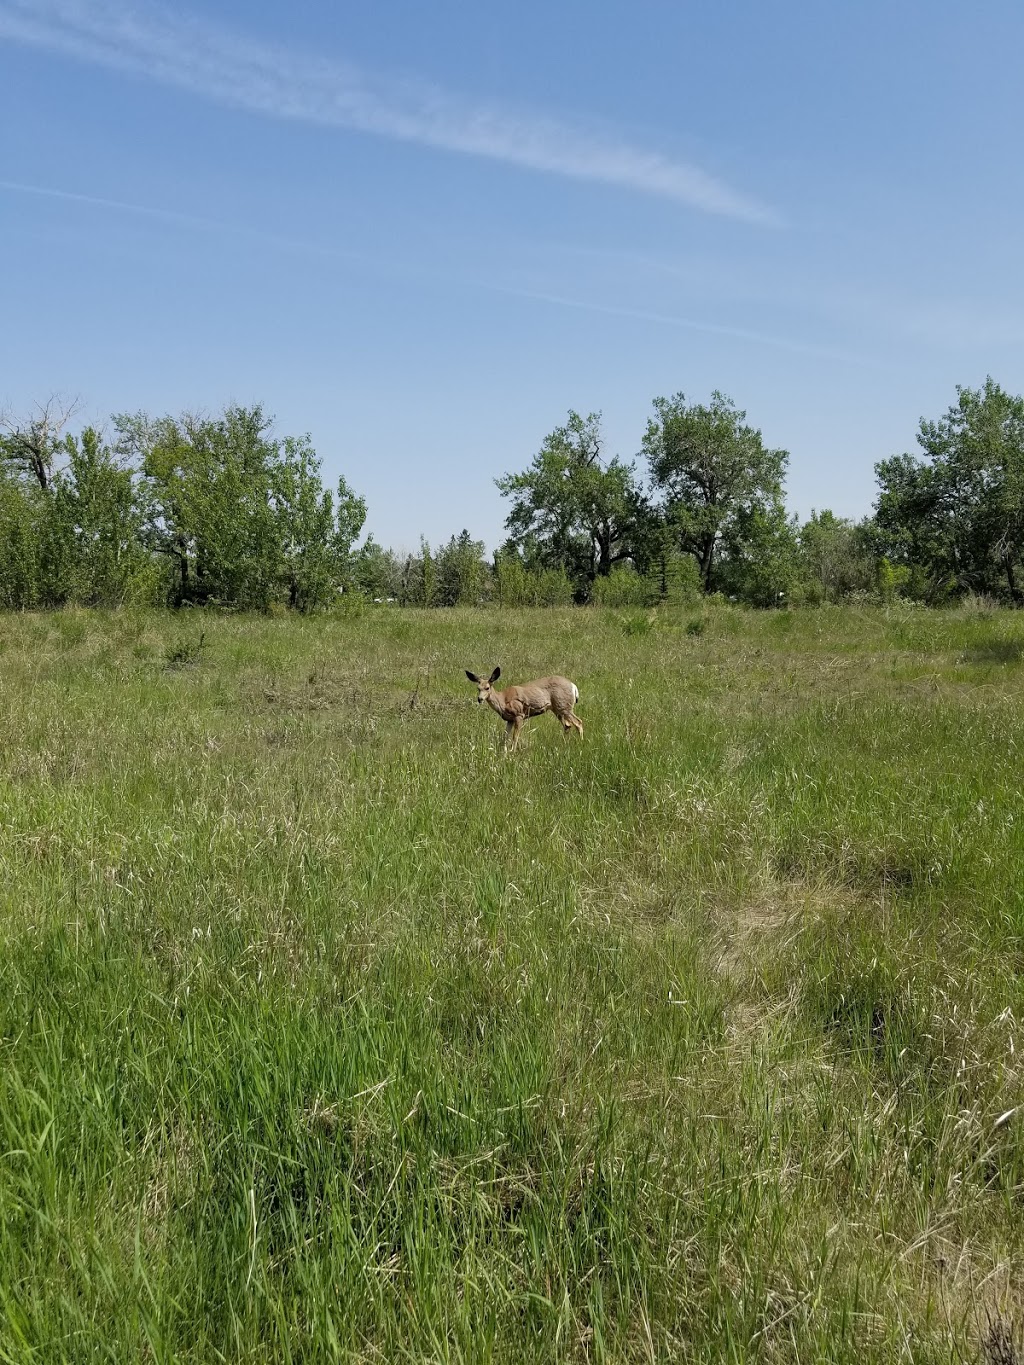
(95, 513)
(511, 578)
(624, 587)
(31, 449)
(220, 511)
(891, 580)
(761, 561)
(209, 486)
(718, 485)
(518, 585)
(675, 572)
(21, 511)
(958, 513)
(316, 531)
(75, 538)
(428, 574)
(837, 557)
(462, 573)
(376, 572)
(241, 516)
(573, 510)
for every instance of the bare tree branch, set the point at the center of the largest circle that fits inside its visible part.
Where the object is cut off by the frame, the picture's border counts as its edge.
(31, 444)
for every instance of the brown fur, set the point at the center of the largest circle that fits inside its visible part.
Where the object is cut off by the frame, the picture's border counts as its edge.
(515, 705)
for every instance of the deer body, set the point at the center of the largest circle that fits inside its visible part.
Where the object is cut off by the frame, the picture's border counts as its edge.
(515, 705)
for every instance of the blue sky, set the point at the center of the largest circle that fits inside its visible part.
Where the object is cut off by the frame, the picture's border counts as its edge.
(423, 232)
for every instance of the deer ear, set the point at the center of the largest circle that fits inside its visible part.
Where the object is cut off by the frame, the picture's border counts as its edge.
(472, 676)
(495, 675)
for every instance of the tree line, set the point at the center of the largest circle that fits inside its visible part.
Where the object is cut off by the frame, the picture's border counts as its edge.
(200, 510)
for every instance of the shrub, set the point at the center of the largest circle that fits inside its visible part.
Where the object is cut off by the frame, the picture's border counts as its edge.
(624, 587)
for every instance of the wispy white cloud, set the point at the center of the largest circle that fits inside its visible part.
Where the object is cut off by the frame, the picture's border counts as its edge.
(230, 68)
(488, 283)
(904, 312)
(687, 324)
(190, 220)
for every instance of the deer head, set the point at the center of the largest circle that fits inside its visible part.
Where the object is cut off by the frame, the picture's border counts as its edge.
(483, 684)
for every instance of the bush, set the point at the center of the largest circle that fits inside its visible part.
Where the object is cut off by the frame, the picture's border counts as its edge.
(624, 587)
(517, 586)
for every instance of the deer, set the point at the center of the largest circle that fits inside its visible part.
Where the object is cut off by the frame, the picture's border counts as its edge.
(515, 705)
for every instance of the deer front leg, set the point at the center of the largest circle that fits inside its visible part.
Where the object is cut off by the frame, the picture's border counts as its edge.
(517, 726)
(509, 727)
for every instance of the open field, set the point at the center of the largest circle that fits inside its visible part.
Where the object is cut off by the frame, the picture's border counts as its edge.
(327, 1031)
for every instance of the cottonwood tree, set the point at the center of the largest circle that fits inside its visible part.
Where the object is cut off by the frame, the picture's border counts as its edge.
(70, 517)
(959, 512)
(574, 509)
(21, 510)
(208, 485)
(95, 555)
(760, 562)
(31, 445)
(316, 528)
(462, 573)
(837, 556)
(376, 571)
(717, 482)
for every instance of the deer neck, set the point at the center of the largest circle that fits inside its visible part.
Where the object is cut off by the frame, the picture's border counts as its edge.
(496, 700)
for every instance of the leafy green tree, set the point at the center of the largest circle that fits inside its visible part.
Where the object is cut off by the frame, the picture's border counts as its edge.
(21, 510)
(428, 574)
(419, 578)
(316, 530)
(349, 520)
(512, 579)
(574, 509)
(95, 551)
(760, 563)
(959, 512)
(715, 479)
(837, 556)
(305, 525)
(209, 485)
(31, 447)
(376, 572)
(462, 573)
(673, 570)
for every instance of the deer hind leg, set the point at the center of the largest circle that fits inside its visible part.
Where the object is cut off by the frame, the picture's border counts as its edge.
(575, 720)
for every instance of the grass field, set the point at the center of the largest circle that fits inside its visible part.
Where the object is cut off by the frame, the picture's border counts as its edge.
(328, 1031)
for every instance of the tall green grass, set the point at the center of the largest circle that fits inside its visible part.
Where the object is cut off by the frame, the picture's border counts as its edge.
(329, 1031)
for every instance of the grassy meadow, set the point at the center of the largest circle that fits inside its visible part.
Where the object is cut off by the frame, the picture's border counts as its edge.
(330, 1032)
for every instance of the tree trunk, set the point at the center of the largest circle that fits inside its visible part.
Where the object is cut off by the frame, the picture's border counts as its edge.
(40, 469)
(604, 554)
(707, 561)
(1011, 579)
(183, 565)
